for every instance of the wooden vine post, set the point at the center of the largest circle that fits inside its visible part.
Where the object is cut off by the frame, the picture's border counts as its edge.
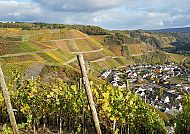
(88, 92)
(8, 103)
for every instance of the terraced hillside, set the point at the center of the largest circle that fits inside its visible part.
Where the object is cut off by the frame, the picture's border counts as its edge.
(164, 41)
(26, 49)
(144, 53)
(142, 47)
(138, 49)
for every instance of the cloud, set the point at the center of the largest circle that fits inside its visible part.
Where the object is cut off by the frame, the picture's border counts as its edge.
(79, 5)
(15, 11)
(111, 14)
(132, 19)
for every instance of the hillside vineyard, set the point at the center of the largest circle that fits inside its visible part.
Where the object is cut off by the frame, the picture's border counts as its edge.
(139, 81)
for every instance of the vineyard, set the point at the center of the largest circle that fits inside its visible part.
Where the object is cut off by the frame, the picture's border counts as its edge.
(54, 100)
(137, 49)
(110, 63)
(59, 47)
(17, 68)
(176, 57)
(59, 106)
(55, 35)
(17, 47)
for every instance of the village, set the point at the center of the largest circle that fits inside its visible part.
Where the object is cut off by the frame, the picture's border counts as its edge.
(162, 86)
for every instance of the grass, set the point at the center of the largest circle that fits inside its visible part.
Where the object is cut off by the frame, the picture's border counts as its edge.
(84, 45)
(48, 36)
(75, 65)
(44, 35)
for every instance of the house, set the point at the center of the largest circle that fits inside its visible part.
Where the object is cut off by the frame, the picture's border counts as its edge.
(188, 78)
(179, 97)
(167, 99)
(114, 83)
(123, 85)
(187, 89)
(150, 80)
(106, 73)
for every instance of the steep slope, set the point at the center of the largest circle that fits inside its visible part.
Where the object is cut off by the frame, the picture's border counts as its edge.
(143, 47)
(55, 47)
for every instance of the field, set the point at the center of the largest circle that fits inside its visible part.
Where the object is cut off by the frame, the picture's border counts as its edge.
(17, 47)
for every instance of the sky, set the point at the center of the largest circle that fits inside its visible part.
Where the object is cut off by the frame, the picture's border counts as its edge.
(109, 14)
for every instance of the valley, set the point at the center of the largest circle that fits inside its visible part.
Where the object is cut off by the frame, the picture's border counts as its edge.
(140, 69)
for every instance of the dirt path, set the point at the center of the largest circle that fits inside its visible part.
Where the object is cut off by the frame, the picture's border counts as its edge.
(140, 54)
(70, 61)
(85, 52)
(70, 39)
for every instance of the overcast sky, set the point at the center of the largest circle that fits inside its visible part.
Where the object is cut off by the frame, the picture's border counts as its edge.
(110, 14)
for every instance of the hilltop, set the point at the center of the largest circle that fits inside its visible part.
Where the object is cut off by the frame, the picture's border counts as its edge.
(180, 30)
